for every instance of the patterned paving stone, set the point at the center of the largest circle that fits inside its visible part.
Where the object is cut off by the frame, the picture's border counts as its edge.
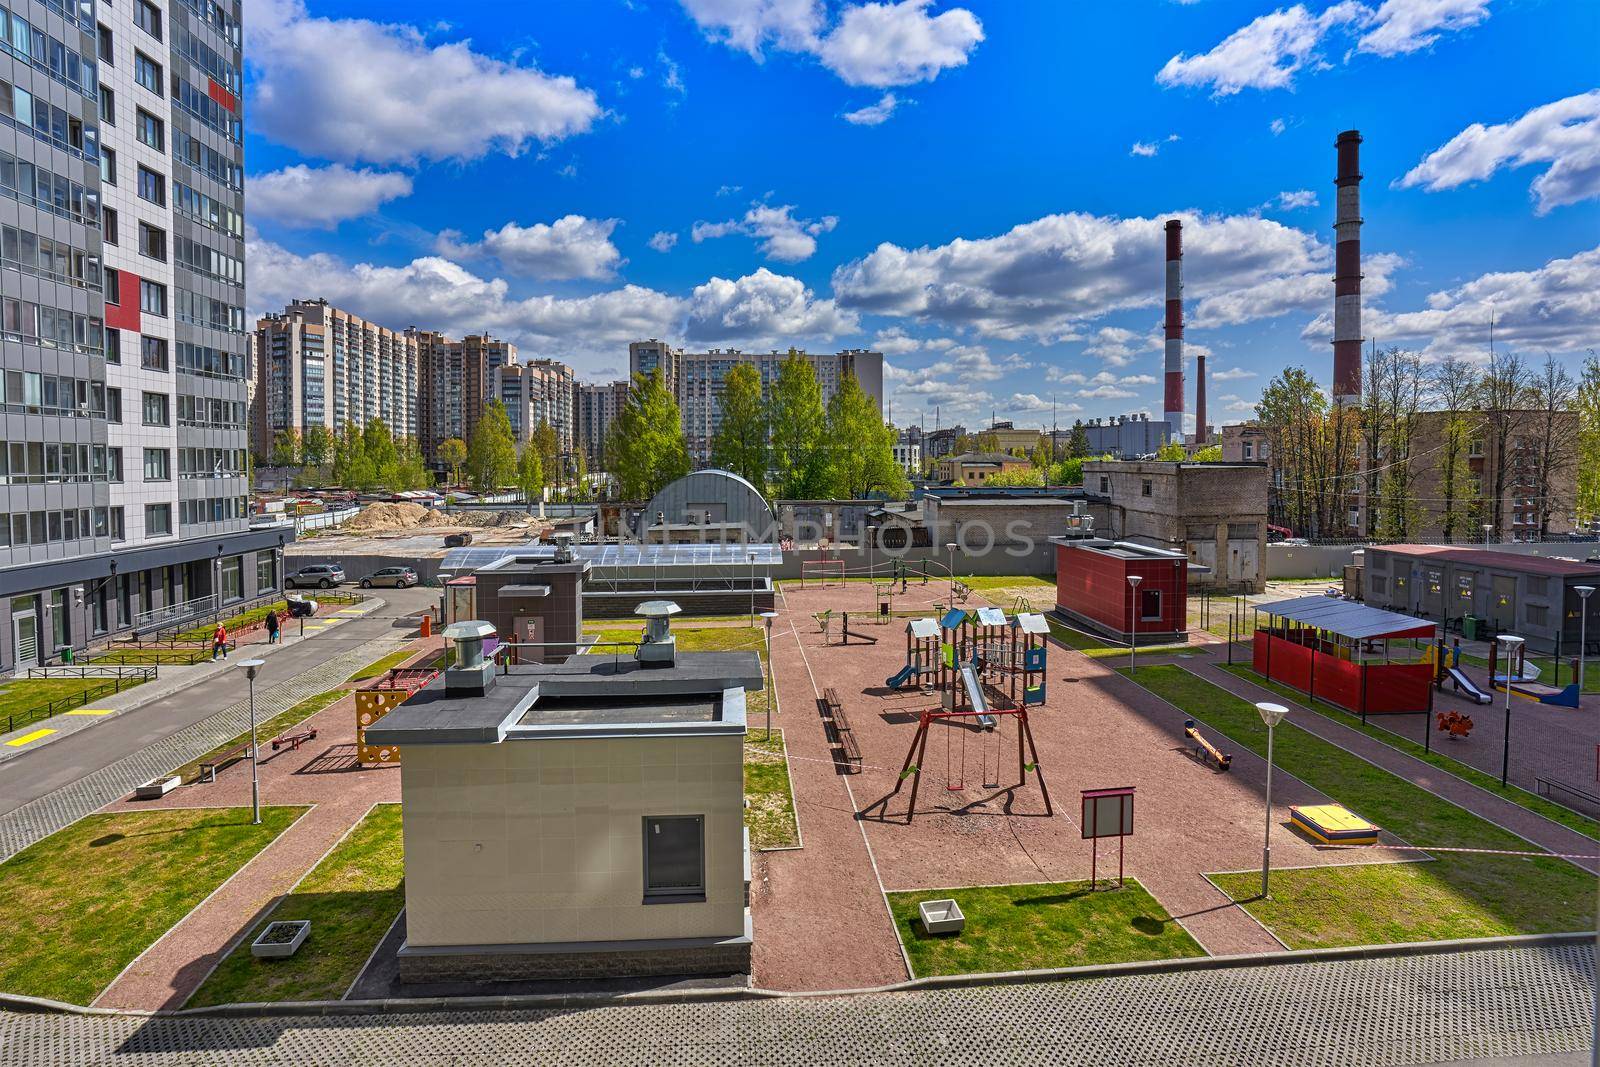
(1356, 1013)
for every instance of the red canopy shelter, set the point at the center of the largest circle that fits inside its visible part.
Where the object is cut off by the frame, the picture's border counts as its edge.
(1361, 658)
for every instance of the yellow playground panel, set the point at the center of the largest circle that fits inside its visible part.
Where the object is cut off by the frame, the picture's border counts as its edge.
(1333, 824)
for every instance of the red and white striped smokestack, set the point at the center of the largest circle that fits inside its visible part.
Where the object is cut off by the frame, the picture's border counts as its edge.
(1347, 272)
(1174, 380)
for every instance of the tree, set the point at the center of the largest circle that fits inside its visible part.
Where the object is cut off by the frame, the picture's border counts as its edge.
(1208, 454)
(530, 473)
(1401, 387)
(548, 443)
(1503, 391)
(1172, 452)
(740, 443)
(861, 446)
(492, 452)
(1455, 385)
(987, 441)
(645, 448)
(1587, 406)
(1555, 437)
(797, 419)
(1022, 477)
(452, 452)
(286, 448)
(1308, 448)
(1078, 443)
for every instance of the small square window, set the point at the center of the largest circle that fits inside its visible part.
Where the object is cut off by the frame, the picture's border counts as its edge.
(674, 858)
(1147, 488)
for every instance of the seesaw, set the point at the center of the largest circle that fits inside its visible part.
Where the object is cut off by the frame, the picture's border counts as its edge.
(1204, 749)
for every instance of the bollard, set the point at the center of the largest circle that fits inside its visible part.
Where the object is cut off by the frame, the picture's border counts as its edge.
(427, 625)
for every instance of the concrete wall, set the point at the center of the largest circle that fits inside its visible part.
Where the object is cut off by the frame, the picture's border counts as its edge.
(1325, 561)
(540, 842)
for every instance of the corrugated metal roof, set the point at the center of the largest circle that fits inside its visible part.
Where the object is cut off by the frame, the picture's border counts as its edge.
(1482, 557)
(1348, 618)
(620, 555)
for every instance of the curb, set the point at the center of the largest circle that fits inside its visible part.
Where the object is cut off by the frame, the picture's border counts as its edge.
(544, 1001)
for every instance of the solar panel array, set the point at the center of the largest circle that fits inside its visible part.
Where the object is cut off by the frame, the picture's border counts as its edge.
(621, 555)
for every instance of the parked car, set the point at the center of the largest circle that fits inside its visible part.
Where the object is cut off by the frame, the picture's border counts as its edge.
(317, 575)
(457, 540)
(399, 577)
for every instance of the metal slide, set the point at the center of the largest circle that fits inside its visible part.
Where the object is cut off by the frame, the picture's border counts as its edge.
(969, 678)
(1464, 685)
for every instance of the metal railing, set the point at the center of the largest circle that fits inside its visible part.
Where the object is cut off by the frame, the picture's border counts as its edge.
(144, 619)
(95, 686)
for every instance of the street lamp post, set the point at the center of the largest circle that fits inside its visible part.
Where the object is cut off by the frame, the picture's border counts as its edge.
(251, 667)
(1133, 620)
(1272, 715)
(1487, 528)
(751, 556)
(1512, 643)
(872, 568)
(1584, 592)
(951, 548)
(772, 694)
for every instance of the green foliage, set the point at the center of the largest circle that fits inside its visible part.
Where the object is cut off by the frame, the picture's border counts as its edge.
(530, 472)
(740, 444)
(492, 452)
(286, 448)
(1022, 477)
(798, 424)
(370, 459)
(645, 448)
(1208, 454)
(452, 452)
(1172, 452)
(1078, 443)
(316, 445)
(1587, 405)
(988, 441)
(548, 445)
(861, 446)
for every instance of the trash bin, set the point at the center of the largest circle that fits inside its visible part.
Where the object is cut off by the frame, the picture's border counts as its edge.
(66, 653)
(1469, 627)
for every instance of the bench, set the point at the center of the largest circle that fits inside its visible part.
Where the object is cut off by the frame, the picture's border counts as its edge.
(838, 728)
(1545, 787)
(294, 740)
(208, 769)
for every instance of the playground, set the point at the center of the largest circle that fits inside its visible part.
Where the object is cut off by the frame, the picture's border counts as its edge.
(935, 753)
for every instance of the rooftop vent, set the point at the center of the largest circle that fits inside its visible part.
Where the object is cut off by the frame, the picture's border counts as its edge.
(563, 547)
(472, 673)
(659, 648)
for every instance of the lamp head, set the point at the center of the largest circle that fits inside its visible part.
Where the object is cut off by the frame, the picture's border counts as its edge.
(251, 667)
(1135, 579)
(1511, 641)
(951, 547)
(1271, 714)
(1583, 591)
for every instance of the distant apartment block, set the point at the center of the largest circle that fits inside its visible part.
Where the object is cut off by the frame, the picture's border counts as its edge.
(936, 444)
(908, 455)
(319, 365)
(597, 407)
(535, 392)
(696, 380)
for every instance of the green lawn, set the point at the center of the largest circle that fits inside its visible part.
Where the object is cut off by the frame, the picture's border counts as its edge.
(1027, 927)
(1453, 895)
(130, 656)
(381, 666)
(769, 814)
(1025, 583)
(1096, 647)
(266, 730)
(1532, 801)
(245, 618)
(351, 898)
(86, 900)
(29, 699)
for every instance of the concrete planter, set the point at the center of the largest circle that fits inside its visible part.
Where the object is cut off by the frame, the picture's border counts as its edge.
(156, 788)
(942, 916)
(281, 939)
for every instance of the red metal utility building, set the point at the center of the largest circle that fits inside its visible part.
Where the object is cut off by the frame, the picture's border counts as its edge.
(1093, 591)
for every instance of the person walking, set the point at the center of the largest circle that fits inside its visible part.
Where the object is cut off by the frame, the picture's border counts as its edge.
(272, 626)
(219, 642)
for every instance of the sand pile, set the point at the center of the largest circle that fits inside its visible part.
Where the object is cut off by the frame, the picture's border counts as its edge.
(401, 518)
(385, 518)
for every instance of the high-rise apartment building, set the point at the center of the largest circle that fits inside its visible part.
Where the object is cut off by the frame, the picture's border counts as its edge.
(319, 365)
(695, 380)
(597, 407)
(122, 309)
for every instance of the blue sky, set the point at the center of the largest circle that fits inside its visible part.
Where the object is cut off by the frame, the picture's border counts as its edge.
(976, 188)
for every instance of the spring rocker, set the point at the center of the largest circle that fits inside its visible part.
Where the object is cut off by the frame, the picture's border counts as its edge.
(1205, 750)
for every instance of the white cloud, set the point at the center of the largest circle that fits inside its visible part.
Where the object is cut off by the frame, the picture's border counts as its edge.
(1551, 307)
(763, 306)
(635, 73)
(1236, 403)
(671, 74)
(729, 190)
(894, 341)
(1270, 50)
(1232, 375)
(1041, 278)
(780, 235)
(1150, 148)
(663, 241)
(1106, 392)
(874, 44)
(1564, 134)
(570, 247)
(1293, 200)
(1401, 26)
(1265, 53)
(389, 96)
(1298, 291)
(973, 363)
(873, 114)
(323, 196)
(1278, 126)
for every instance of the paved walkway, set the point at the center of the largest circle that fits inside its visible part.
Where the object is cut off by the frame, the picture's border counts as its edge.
(1372, 1013)
(1514, 817)
(169, 680)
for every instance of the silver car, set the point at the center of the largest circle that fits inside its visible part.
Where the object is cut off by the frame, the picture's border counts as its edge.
(316, 575)
(399, 577)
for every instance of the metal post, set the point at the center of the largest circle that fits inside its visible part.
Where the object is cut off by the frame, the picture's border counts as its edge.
(1584, 592)
(1511, 642)
(1133, 629)
(1271, 714)
(772, 693)
(251, 666)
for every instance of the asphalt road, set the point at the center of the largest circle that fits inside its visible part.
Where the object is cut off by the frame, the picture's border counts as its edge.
(64, 761)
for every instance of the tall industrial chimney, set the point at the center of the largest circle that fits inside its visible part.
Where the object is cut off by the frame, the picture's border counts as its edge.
(1347, 272)
(1174, 380)
(1200, 398)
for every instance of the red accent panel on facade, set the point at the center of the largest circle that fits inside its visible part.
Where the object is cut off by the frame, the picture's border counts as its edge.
(1094, 585)
(1174, 393)
(221, 95)
(125, 316)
